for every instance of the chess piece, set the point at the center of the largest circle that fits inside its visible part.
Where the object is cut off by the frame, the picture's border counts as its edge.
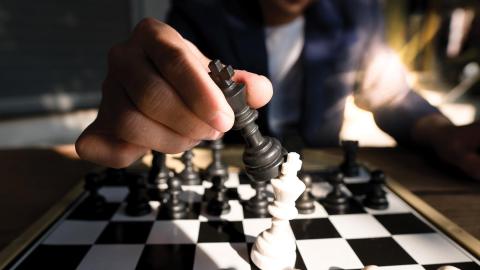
(188, 175)
(371, 267)
(305, 203)
(159, 172)
(218, 204)
(217, 167)
(258, 204)
(275, 247)
(336, 199)
(448, 267)
(92, 184)
(137, 199)
(176, 209)
(263, 155)
(376, 197)
(350, 167)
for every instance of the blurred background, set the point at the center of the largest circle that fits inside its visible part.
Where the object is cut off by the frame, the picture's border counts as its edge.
(53, 61)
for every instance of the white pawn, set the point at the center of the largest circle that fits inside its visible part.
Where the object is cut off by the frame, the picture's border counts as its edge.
(275, 248)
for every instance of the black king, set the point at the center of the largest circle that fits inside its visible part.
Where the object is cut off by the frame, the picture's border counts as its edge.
(263, 155)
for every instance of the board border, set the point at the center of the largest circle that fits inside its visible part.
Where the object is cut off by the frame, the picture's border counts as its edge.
(459, 235)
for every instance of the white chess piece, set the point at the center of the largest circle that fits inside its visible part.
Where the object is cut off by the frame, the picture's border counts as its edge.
(275, 248)
(448, 267)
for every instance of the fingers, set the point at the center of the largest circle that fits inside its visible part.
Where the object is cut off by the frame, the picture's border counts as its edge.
(258, 88)
(107, 150)
(183, 70)
(155, 97)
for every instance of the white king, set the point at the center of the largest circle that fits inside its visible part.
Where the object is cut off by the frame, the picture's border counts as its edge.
(275, 248)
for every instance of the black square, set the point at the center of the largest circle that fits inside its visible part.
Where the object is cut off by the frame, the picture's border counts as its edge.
(125, 233)
(316, 228)
(221, 231)
(55, 257)
(299, 264)
(84, 211)
(403, 223)
(192, 213)
(463, 266)
(167, 257)
(380, 251)
(353, 207)
(358, 189)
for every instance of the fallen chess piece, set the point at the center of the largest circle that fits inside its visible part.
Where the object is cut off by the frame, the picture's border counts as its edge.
(275, 248)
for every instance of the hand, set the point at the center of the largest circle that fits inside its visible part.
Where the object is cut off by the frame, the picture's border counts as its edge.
(457, 145)
(158, 95)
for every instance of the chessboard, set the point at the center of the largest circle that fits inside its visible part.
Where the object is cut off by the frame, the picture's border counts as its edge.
(398, 237)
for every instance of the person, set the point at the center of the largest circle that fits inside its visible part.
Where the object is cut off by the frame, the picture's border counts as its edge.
(158, 95)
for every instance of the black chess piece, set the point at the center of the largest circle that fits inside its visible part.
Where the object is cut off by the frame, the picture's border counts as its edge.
(258, 204)
(217, 167)
(263, 155)
(116, 176)
(305, 203)
(94, 199)
(137, 199)
(158, 176)
(218, 204)
(175, 208)
(159, 172)
(189, 175)
(376, 197)
(349, 166)
(336, 199)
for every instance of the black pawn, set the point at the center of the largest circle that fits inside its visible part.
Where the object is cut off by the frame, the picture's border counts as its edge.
(159, 171)
(376, 197)
(349, 166)
(176, 209)
(258, 204)
(137, 199)
(188, 175)
(217, 167)
(92, 184)
(305, 203)
(218, 204)
(336, 199)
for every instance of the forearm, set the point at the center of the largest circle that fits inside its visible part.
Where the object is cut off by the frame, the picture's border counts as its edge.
(429, 130)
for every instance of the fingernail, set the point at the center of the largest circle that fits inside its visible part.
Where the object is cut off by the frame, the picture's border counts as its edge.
(222, 121)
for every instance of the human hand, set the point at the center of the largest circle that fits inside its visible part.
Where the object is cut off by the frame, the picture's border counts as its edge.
(457, 145)
(158, 95)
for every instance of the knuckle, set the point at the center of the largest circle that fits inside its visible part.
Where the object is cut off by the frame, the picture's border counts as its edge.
(147, 24)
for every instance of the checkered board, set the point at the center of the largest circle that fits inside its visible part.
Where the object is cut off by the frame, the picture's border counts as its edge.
(395, 238)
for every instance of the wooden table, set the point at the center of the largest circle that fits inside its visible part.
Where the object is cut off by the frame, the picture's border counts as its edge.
(32, 180)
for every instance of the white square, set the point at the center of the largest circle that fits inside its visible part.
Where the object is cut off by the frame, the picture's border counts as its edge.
(73, 232)
(430, 248)
(221, 256)
(333, 253)
(235, 214)
(174, 232)
(192, 193)
(121, 215)
(402, 267)
(118, 257)
(252, 227)
(319, 212)
(114, 194)
(245, 192)
(358, 226)
(395, 205)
